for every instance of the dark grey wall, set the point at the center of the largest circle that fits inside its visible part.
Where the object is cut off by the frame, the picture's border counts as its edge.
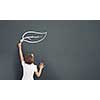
(71, 49)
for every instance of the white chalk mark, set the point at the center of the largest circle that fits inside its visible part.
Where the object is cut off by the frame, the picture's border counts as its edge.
(36, 35)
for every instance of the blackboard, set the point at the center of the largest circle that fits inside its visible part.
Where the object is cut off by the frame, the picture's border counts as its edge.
(71, 50)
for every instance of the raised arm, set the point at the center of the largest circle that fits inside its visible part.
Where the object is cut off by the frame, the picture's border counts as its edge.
(20, 51)
(38, 73)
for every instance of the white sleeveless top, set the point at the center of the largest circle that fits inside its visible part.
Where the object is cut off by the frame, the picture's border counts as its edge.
(28, 71)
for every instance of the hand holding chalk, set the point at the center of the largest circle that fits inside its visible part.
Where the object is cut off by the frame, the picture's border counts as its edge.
(19, 44)
(22, 40)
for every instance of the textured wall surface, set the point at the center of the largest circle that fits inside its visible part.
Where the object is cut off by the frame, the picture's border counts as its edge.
(71, 50)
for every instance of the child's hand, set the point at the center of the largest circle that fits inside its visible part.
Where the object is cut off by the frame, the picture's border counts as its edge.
(41, 66)
(19, 44)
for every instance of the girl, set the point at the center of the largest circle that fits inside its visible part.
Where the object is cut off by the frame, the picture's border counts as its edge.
(29, 68)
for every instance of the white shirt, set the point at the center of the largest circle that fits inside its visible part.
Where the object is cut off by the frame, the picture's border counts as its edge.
(28, 71)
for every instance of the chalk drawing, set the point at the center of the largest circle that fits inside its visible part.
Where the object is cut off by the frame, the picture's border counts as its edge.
(39, 36)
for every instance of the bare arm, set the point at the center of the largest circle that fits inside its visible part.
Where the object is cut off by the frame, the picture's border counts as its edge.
(38, 73)
(20, 52)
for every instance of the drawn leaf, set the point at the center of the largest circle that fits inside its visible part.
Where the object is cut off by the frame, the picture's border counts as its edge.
(33, 37)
